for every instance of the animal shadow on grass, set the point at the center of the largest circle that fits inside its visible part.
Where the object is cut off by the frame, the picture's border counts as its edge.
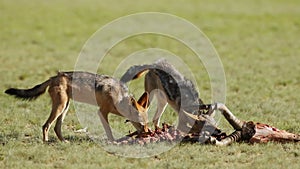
(27, 139)
(73, 139)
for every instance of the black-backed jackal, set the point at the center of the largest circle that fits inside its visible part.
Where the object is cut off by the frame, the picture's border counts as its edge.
(108, 93)
(170, 87)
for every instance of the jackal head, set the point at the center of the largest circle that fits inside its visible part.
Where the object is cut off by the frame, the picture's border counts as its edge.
(137, 112)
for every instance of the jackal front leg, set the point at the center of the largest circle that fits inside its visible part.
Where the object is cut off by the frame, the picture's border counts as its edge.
(104, 120)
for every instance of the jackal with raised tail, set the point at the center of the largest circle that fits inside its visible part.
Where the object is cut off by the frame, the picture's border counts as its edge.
(169, 86)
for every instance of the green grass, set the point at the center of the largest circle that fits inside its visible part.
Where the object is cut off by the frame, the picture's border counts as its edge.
(257, 42)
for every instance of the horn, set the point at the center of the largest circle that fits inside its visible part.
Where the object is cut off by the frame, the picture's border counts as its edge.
(195, 117)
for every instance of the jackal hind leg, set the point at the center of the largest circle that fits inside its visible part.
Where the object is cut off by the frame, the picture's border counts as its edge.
(59, 104)
(59, 121)
(103, 114)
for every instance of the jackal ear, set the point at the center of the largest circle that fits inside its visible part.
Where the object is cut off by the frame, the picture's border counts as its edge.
(135, 104)
(144, 100)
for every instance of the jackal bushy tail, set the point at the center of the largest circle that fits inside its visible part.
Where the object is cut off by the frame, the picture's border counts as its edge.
(29, 94)
(135, 72)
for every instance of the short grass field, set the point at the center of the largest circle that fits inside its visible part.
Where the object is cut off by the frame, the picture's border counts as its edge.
(258, 44)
